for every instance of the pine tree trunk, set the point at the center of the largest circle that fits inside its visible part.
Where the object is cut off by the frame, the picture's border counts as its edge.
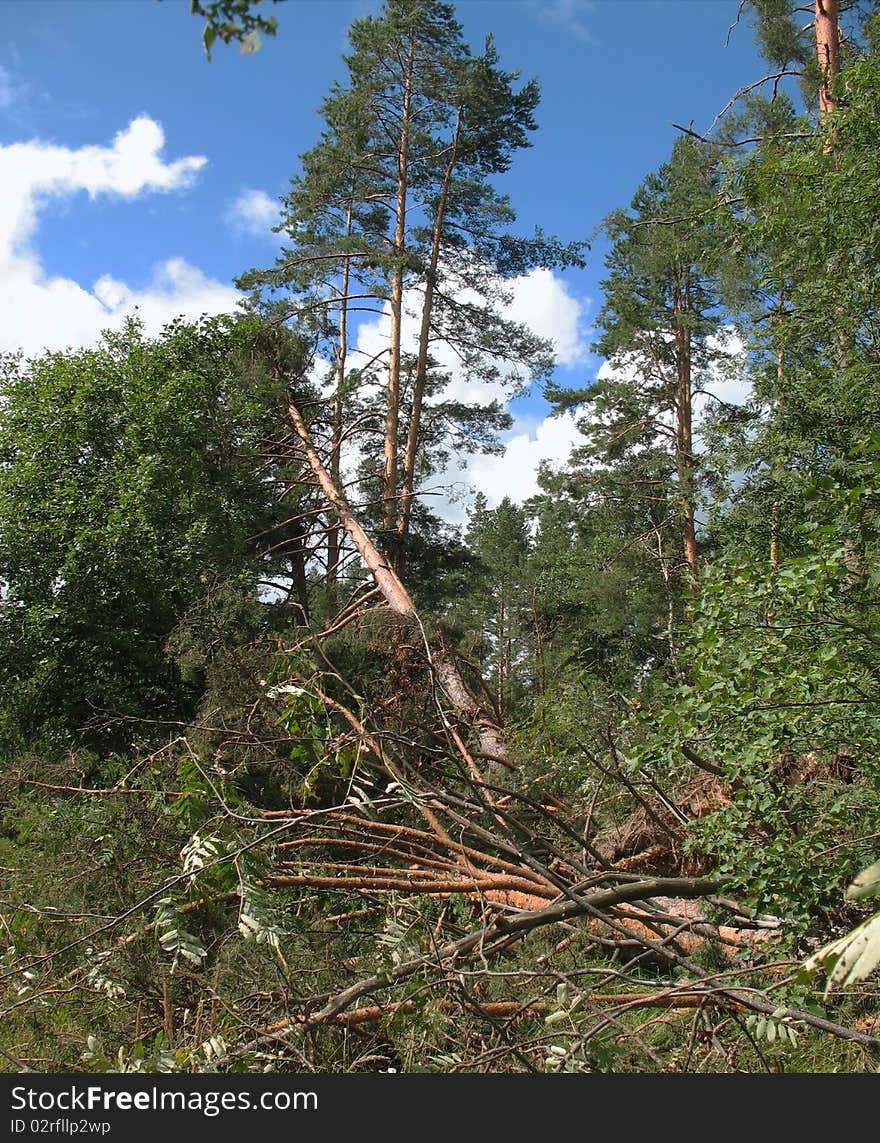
(338, 411)
(828, 54)
(500, 638)
(539, 652)
(298, 571)
(392, 409)
(415, 420)
(684, 424)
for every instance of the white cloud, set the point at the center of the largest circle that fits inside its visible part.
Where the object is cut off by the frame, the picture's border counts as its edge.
(43, 312)
(727, 383)
(551, 440)
(177, 288)
(569, 15)
(543, 303)
(539, 299)
(30, 172)
(253, 212)
(723, 382)
(515, 473)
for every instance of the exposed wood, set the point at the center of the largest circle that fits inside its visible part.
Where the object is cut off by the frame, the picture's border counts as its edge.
(489, 736)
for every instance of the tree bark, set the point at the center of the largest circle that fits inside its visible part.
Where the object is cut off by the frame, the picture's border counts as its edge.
(828, 54)
(415, 419)
(392, 408)
(297, 555)
(338, 411)
(501, 657)
(684, 454)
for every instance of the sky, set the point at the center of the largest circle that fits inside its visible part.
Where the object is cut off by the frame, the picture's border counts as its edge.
(137, 176)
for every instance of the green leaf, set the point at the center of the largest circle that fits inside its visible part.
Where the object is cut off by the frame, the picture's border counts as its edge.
(851, 958)
(867, 884)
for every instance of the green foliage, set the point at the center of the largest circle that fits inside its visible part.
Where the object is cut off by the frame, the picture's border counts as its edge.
(779, 695)
(128, 489)
(174, 938)
(497, 610)
(809, 225)
(233, 20)
(321, 757)
(397, 200)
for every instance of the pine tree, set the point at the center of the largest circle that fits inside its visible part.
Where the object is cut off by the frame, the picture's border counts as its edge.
(661, 332)
(499, 538)
(395, 212)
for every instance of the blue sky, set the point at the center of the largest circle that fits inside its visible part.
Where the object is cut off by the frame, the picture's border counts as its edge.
(134, 172)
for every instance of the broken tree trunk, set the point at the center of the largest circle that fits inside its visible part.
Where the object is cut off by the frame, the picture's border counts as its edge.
(465, 706)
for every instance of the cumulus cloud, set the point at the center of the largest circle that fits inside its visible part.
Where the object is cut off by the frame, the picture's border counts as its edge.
(543, 302)
(253, 212)
(540, 300)
(533, 442)
(515, 473)
(45, 312)
(42, 311)
(723, 381)
(177, 288)
(726, 383)
(34, 171)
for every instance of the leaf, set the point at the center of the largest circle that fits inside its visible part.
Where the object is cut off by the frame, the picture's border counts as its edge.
(257, 918)
(208, 37)
(284, 689)
(867, 884)
(198, 852)
(174, 938)
(851, 958)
